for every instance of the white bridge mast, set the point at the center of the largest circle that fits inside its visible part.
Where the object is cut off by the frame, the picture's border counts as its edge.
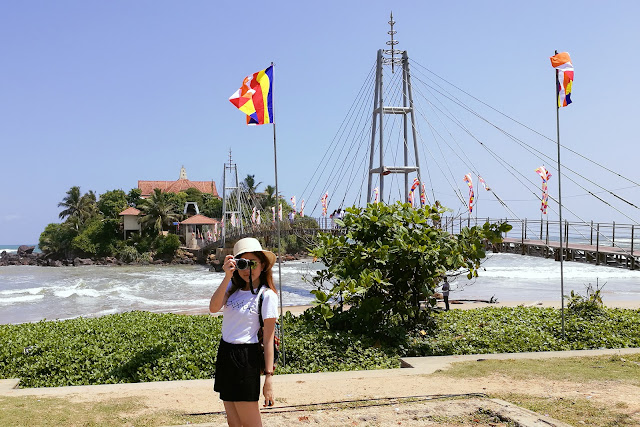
(379, 112)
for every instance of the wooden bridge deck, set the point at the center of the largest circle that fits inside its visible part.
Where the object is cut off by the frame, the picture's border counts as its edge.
(592, 254)
(612, 256)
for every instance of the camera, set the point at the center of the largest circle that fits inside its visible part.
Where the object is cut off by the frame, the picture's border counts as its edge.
(243, 264)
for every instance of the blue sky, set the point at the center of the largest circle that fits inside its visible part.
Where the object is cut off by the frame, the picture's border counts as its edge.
(102, 94)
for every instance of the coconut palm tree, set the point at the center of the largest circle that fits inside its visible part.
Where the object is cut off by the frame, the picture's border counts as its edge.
(157, 211)
(70, 203)
(249, 184)
(269, 196)
(78, 208)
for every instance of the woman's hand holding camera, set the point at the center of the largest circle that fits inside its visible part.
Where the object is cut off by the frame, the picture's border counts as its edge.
(229, 265)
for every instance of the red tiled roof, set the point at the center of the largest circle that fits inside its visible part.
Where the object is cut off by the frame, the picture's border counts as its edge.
(130, 211)
(147, 187)
(198, 220)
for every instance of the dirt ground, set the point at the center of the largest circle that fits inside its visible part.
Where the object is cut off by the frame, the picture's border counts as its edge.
(409, 397)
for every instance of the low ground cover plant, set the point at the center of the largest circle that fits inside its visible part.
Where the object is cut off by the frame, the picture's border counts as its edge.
(142, 346)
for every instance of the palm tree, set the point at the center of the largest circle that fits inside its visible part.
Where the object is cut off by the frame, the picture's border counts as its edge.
(157, 211)
(71, 203)
(269, 196)
(249, 184)
(78, 208)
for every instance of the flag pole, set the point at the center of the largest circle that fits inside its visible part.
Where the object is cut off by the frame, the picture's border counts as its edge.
(560, 201)
(275, 164)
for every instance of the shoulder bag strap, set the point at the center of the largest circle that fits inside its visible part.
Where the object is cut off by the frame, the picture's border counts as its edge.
(260, 300)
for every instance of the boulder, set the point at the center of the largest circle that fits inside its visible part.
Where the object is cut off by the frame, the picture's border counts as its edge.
(25, 250)
(82, 261)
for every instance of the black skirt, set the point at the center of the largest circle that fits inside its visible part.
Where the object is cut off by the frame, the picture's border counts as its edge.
(237, 376)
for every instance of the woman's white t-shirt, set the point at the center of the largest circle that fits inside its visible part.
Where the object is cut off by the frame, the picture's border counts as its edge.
(240, 321)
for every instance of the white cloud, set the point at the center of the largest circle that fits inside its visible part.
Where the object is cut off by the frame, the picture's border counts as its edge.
(9, 217)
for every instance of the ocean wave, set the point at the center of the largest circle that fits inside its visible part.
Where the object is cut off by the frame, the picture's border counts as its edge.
(19, 299)
(30, 291)
(79, 292)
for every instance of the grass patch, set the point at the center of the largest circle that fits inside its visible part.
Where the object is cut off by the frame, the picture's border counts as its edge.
(29, 411)
(574, 411)
(624, 369)
(579, 370)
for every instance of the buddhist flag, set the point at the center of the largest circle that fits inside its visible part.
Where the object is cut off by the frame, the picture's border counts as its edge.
(255, 97)
(467, 179)
(562, 63)
(545, 175)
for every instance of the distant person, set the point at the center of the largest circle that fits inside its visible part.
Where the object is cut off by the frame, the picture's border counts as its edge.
(445, 293)
(238, 364)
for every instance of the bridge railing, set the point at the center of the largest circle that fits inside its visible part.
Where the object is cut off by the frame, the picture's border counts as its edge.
(597, 234)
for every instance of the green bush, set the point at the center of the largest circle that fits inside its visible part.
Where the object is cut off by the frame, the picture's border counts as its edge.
(145, 257)
(56, 239)
(128, 254)
(390, 258)
(166, 246)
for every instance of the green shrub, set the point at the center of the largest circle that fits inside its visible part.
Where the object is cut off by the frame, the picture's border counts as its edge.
(128, 254)
(146, 257)
(166, 246)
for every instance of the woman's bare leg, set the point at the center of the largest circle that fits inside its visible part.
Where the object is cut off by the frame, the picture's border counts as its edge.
(249, 413)
(233, 419)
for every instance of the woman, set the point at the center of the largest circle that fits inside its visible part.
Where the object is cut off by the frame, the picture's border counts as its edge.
(238, 365)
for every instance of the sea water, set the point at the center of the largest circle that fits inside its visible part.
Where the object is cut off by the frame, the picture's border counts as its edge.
(31, 293)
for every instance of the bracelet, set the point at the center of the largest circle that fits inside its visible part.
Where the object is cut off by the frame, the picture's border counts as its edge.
(266, 373)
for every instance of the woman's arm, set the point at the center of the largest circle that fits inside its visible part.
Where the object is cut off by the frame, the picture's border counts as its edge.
(220, 296)
(267, 339)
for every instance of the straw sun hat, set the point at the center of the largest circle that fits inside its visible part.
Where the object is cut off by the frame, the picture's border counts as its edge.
(249, 244)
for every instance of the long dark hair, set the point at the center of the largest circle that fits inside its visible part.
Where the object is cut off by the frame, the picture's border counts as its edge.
(266, 276)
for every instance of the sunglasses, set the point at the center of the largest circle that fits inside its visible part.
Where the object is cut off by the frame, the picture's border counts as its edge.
(243, 264)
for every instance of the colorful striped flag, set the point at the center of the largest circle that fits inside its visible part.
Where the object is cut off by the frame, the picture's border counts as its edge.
(484, 184)
(467, 179)
(562, 63)
(255, 97)
(545, 175)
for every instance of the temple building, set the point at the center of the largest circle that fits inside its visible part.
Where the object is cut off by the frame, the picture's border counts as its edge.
(182, 184)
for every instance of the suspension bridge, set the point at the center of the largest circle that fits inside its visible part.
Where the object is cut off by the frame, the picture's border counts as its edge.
(420, 139)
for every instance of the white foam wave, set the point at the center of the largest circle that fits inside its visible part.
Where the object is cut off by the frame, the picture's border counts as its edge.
(79, 292)
(19, 299)
(30, 291)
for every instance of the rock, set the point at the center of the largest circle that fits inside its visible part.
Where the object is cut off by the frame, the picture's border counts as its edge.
(25, 250)
(55, 263)
(82, 261)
